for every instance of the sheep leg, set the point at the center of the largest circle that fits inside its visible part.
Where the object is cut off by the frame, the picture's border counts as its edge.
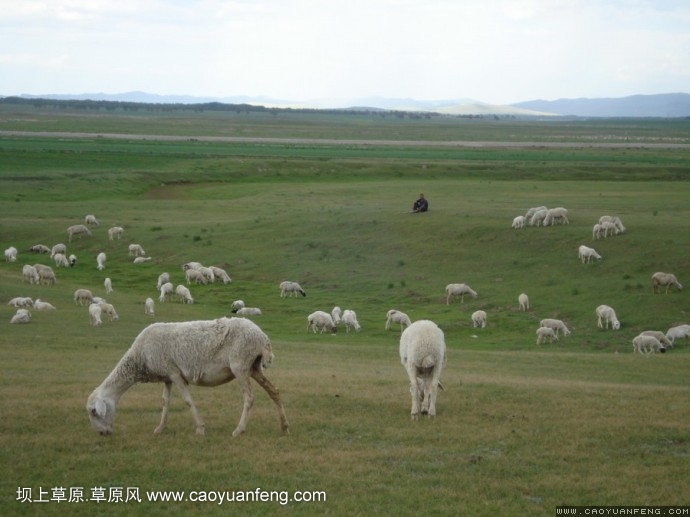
(414, 393)
(167, 387)
(187, 397)
(248, 397)
(273, 392)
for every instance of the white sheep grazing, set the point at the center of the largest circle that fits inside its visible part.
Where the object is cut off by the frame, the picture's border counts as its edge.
(668, 280)
(288, 288)
(423, 354)
(77, 229)
(46, 274)
(248, 311)
(609, 228)
(100, 261)
(135, 250)
(395, 316)
(30, 274)
(523, 302)
(191, 265)
(597, 231)
(141, 260)
(660, 336)
(109, 310)
(221, 274)
(678, 332)
(72, 260)
(546, 332)
(83, 297)
(40, 305)
(321, 321)
(236, 305)
(556, 325)
(11, 254)
(538, 218)
(21, 302)
(619, 224)
(108, 285)
(607, 314)
(184, 294)
(167, 289)
(163, 278)
(518, 222)
(91, 220)
(39, 248)
(21, 316)
(587, 254)
(58, 248)
(645, 344)
(202, 353)
(115, 232)
(453, 290)
(149, 307)
(349, 318)
(555, 215)
(479, 319)
(533, 211)
(336, 314)
(60, 260)
(195, 276)
(95, 315)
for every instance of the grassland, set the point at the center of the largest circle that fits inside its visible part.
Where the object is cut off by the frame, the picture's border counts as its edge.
(520, 428)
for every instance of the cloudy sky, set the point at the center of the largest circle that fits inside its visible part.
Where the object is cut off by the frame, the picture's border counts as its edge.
(333, 51)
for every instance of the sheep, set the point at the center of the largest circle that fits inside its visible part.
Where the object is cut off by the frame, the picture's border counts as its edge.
(163, 278)
(612, 222)
(100, 261)
(669, 280)
(554, 215)
(77, 229)
(586, 254)
(597, 231)
(183, 293)
(95, 311)
(39, 248)
(166, 290)
(546, 332)
(208, 274)
(523, 302)
(608, 228)
(11, 254)
(72, 259)
(21, 316)
(533, 210)
(21, 302)
(141, 260)
(195, 276)
(321, 321)
(349, 318)
(115, 232)
(290, 288)
(221, 274)
(604, 312)
(423, 355)
(30, 274)
(60, 260)
(46, 274)
(538, 218)
(109, 310)
(40, 305)
(460, 290)
(518, 222)
(395, 316)
(678, 332)
(135, 250)
(202, 353)
(236, 305)
(83, 295)
(149, 307)
(660, 336)
(108, 285)
(336, 314)
(645, 344)
(248, 311)
(91, 220)
(556, 325)
(479, 319)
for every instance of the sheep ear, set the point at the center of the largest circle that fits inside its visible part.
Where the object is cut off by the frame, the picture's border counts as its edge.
(99, 409)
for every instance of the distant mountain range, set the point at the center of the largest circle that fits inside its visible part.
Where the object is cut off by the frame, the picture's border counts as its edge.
(669, 105)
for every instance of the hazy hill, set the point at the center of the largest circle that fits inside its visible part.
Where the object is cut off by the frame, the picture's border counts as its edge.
(662, 105)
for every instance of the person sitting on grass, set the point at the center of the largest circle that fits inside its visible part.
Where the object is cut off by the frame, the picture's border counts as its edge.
(421, 205)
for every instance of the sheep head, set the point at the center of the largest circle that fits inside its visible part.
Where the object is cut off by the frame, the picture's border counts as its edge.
(101, 413)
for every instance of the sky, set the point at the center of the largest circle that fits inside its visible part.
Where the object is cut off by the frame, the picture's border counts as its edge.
(331, 52)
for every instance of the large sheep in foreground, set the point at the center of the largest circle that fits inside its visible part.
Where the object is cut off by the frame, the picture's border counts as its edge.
(203, 353)
(453, 290)
(423, 354)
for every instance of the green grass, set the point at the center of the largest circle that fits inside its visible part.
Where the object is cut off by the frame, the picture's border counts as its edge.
(520, 428)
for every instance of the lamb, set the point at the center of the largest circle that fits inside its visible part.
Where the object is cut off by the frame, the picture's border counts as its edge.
(604, 312)
(82, 296)
(202, 353)
(349, 318)
(518, 222)
(11, 254)
(30, 274)
(45, 274)
(40, 305)
(523, 302)
(91, 220)
(195, 276)
(533, 211)
(21, 302)
(556, 325)
(660, 336)
(135, 250)
(108, 285)
(100, 261)
(115, 232)
(321, 321)
(597, 231)
(554, 215)
(60, 260)
(77, 229)
(221, 274)
(248, 311)
(336, 314)
(546, 332)
(586, 254)
(183, 293)
(236, 305)
(453, 290)
(166, 290)
(608, 228)
(395, 316)
(149, 307)
(290, 288)
(95, 311)
(163, 278)
(72, 260)
(669, 280)
(39, 248)
(678, 332)
(109, 310)
(645, 344)
(538, 218)
(21, 316)
(612, 222)
(208, 274)
(423, 355)
(479, 319)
